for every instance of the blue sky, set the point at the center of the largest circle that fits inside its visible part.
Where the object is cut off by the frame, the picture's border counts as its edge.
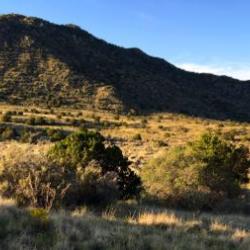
(198, 35)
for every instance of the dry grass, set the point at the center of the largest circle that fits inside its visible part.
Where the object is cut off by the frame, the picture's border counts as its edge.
(158, 132)
(133, 226)
(137, 228)
(12, 150)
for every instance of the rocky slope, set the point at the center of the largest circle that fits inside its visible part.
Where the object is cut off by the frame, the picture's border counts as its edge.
(58, 65)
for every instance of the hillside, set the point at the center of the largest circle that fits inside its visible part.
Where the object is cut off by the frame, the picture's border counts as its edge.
(62, 65)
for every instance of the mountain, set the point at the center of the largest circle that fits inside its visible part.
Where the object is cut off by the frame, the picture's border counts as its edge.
(62, 65)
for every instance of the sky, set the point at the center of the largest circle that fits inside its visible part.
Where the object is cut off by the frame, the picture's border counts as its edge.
(198, 35)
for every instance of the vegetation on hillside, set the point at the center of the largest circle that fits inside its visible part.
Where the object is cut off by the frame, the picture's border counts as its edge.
(75, 177)
(122, 227)
(76, 171)
(74, 189)
(200, 174)
(76, 69)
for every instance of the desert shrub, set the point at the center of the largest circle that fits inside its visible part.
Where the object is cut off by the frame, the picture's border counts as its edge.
(7, 133)
(13, 112)
(59, 117)
(26, 136)
(137, 137)
(230, 135)
(221, 125)
(144, 123)
(97, 119)
(92, 187)
(160, 143)
(31, 121)
(159, 118)
(55, 135)
(182, 129)
(34, 180)
(167, 135)
(75, 122)
(117, 117)
(6, 117)
(79, 114)
(81, 148)
(199, 174)
(161, 127)
(41, 121)
(82, 122)
(37, 121)
(35, 111)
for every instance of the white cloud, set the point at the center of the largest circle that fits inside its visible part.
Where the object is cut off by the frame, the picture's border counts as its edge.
(235, 71)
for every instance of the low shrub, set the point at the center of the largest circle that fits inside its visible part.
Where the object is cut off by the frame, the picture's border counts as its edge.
(199, 174)
(26, 136)
(78, 170)
(137, 137)
(6, 117)
(33, 121)
(34, 180)
(7, 133)
(92, 187)
(55, 135)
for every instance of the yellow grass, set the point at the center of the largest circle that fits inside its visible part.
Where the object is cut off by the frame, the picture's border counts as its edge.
(139, 227)
(172, 129)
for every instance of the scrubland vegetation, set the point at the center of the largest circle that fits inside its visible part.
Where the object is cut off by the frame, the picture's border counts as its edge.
(82, 180)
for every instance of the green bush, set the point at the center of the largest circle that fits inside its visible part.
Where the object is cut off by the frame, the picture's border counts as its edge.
(78, 170)
(199, 174)
(81, 148)
(55, 135)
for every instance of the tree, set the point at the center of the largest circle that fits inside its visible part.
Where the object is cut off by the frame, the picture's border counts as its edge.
(81, 148)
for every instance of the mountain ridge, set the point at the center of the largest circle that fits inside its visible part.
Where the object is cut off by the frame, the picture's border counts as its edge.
(63, 65)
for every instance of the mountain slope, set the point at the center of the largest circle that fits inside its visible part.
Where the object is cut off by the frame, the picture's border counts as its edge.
(56, 65)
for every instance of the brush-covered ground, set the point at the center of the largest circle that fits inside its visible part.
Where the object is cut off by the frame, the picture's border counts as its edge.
(125, 225)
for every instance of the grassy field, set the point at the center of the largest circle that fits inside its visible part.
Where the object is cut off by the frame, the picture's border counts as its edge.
(125, 225)
(140, 137)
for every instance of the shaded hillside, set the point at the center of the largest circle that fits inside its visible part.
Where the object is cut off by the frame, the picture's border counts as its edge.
(55, 65)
